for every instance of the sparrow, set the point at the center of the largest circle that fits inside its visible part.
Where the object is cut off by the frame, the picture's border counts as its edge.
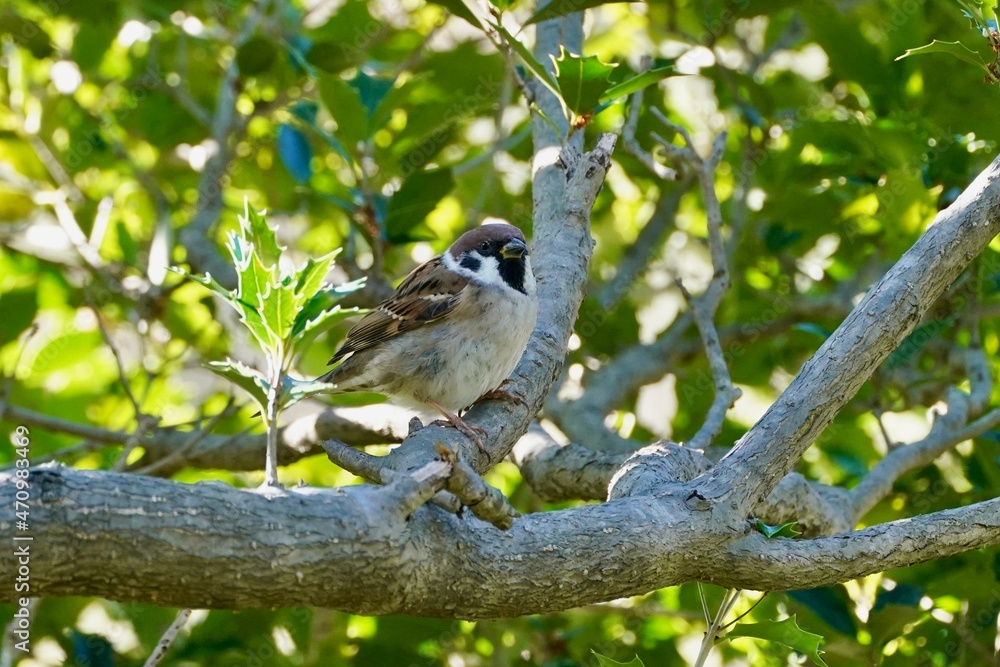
(452, 331)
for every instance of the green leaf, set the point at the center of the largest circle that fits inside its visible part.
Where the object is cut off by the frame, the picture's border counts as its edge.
(26, 33)
(253, 278)
(777, 237)
(831, 605)
(208, 281)
(323, 304)
(248, 379)
(416, 198)
(255, 229)
(558, 8)
(329, 56)
(371, 90)
(65, 351)
(903, 595)
(309, 279)
(345, 106)
(583, 81)
(278, 310)
(314, 319)
(461, 10)
(605, 661)
(529, 59)
(248, 312)
(786, 632)
(294, 390)
(295, 152)
(974, 12)
(254, 321)
(256, 55)
(638, 82)
(784, 530)
(957, 49)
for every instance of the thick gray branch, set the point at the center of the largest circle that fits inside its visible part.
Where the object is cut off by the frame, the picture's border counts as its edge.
(583, 419)
(568, 472)
(890, 311)
(877, 484)
(784, 564)
(362, 549)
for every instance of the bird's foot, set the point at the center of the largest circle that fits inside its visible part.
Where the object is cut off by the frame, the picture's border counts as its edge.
(500, 393)
(471, 432)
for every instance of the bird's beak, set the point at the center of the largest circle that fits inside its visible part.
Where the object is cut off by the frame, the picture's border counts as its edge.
(515, 249)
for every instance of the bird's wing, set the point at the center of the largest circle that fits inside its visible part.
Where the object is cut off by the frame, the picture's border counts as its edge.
(429, 293)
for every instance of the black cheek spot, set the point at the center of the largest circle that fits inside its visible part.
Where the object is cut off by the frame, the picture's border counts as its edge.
(471, 263)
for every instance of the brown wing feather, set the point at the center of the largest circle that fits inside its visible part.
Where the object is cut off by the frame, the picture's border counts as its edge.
(429, 293)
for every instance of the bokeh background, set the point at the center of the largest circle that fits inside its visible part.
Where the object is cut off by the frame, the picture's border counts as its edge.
(132, 131)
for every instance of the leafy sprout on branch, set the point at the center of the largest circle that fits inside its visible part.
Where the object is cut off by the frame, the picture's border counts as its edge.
(283, 311)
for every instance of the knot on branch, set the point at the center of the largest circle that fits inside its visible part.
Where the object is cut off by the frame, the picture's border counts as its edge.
(447, 481)
(649, 470)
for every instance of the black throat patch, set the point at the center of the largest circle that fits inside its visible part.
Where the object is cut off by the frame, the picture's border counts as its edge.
(512, 272)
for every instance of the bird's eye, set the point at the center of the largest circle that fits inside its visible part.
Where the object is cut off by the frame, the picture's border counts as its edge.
(484, 246)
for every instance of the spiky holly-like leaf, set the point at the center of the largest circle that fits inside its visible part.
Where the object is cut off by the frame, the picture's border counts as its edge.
(784, 530)
(786, 632)
(255, 230)
(294, 390)
(605, 661)
(583, 80)
(248, 379)
(637, 83)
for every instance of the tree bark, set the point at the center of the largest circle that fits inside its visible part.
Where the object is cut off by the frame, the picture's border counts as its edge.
(359, 549)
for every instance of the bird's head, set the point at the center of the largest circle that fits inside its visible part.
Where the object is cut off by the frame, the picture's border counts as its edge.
(494, 254)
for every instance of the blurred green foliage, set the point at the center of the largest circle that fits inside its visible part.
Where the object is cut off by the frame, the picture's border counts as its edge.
(387, 128)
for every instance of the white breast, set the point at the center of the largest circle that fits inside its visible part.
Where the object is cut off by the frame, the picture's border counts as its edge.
(486, 351)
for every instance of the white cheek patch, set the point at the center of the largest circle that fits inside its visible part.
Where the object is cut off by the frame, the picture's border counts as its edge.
(529, 277)
(487, 274)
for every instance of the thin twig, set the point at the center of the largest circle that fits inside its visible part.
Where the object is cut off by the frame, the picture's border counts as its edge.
(704, 308)
(355, 461)
(31, 418)
(744, 614)
(181, 92)
(8, 378)
(67, 220)
(199, 435)
(630, 141)
(704, 603)
(486, 502)
(168, 638)
(122, 375)
(890, 444)
(877, 484)
(638, 254)
(729, 598)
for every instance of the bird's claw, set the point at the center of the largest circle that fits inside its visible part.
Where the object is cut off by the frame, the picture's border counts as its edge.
(500, 393)
(471, 432)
